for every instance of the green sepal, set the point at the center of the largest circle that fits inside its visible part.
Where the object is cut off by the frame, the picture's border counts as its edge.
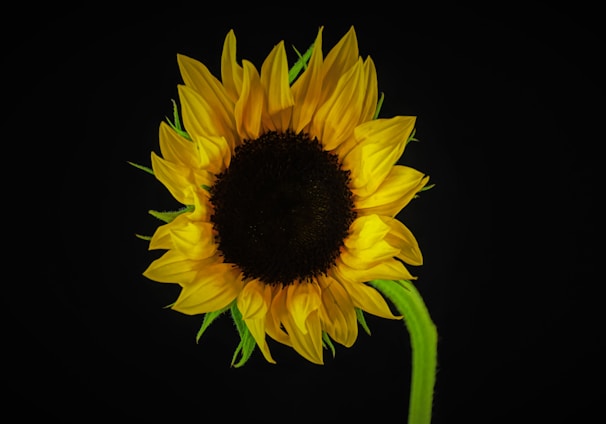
(423, 341)
(168, 216)
(209, 317)
(142, 237)
(425, 188)
(411, 137)
(327, 343)
(170, 305)
(141, 167)
(300, 64)
(247, 341)
(379, 105)
(176, 125)
(362, 320)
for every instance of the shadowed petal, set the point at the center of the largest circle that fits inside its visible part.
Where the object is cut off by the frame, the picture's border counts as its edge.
(302, 322)
(254, 302)
(337, 312)
(337, 117)
(276, 312)
(338, 61)
(301, 299)
(307, 88)
(231, 72)
(250, 105)
(274, 79)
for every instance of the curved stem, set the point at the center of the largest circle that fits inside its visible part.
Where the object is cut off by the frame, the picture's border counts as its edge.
(423, 341)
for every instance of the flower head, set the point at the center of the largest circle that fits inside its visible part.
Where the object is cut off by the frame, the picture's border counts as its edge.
(290, 197)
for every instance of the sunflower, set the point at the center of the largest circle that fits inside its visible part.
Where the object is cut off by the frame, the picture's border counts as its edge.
(290, 193)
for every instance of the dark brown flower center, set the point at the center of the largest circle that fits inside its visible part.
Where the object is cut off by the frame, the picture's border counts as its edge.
(282, 209)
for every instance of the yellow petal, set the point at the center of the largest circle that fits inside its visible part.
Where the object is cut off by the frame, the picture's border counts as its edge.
(402, 238)
(366, 247)
(177, 149)
(338, 61)
(337, 312)
(366, 231)
(214, 288)
(161, 238)
(179, 180)
(194, 240)
(202, 207)
(368, 105)
(253, 303)
(254, 300)
(390, 269)
(206, 116)
(309, 343)
(302, 321)
(197, 76)
(396, 191)
(277, 310)
(274, 79)
(231, 72)
(250, 105)
(301, 300)
(305, 337)
(337, 117)
(380, 143)
(307, 89)
(369, 300)
(173, 267)
(371, 91)
(257, 329)
(213, 152)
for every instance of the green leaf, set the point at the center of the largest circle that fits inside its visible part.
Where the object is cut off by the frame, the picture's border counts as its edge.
(177, 122)
(209, 317)
(379, 105)
(423, 340)
(300, 64)
(141, 167)
(362, 320)
(326, 342)
(142, 237)
(247, 341)
(168, 216)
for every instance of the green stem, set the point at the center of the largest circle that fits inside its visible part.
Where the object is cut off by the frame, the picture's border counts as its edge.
(423, 341)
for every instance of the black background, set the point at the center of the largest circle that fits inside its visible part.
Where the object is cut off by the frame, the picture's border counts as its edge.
(508, 103)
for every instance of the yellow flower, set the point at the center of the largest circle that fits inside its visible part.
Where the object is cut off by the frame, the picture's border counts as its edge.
(291, 193)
